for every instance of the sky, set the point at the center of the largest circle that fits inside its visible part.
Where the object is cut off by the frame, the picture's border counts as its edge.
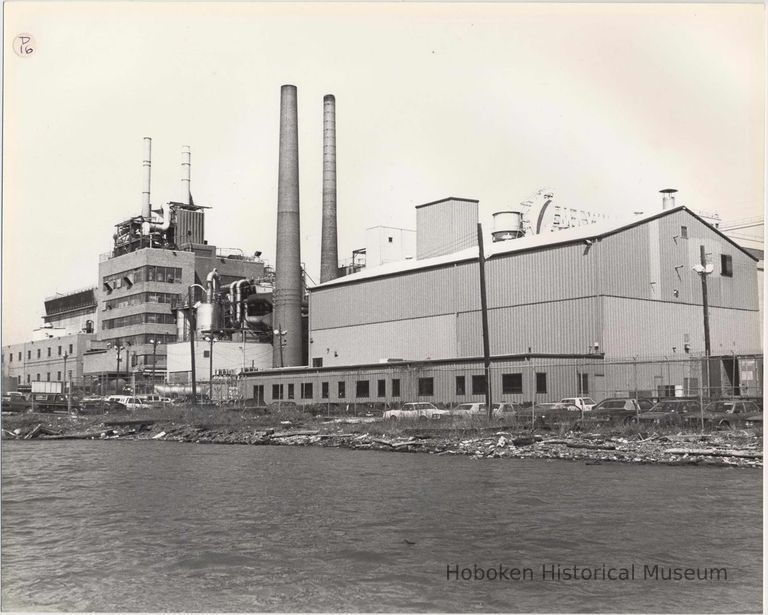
(603, 104)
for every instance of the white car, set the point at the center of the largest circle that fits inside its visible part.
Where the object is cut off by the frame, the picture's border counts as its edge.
(416, 410)
(582, 403)
(469, 409)
(155, 400)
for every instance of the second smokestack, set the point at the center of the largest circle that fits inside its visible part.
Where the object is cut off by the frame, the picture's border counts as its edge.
(287, 290)
(329, 251)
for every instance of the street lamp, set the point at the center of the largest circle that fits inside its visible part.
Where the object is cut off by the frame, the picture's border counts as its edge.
(154, 362)
(211, 339)
(280, 335)
(118, 348)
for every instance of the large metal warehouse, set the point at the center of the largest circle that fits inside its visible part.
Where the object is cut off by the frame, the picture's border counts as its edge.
(600, 309)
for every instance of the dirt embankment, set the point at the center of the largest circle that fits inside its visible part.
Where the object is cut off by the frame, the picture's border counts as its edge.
(475, 440)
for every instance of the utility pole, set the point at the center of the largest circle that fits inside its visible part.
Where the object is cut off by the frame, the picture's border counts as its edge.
(484, 310)
(192, 327)
(703, 270)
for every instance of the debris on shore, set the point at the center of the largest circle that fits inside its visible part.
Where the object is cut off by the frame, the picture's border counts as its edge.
(740, 449)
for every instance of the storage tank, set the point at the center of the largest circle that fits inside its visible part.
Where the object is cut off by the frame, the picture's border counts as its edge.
(208, 317)
(507, 225)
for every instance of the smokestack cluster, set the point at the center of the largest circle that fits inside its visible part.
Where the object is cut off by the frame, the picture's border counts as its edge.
(287, 290)
(329, 254)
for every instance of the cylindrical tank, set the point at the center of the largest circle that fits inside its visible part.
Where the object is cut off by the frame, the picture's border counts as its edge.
(182, 326)
(507, 225)
(208, 318)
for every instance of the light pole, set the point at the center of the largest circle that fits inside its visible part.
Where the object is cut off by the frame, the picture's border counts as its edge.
(211, 339)
(118, 348)
(154, 362)
(280, 335)
(67, 384)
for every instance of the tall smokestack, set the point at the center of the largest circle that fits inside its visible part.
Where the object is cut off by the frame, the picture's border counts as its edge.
(186, 163)
(286, 350)
(668, 198)
(329, 250)
(146, 208)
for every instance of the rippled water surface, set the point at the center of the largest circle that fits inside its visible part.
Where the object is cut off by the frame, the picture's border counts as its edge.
(152, 526)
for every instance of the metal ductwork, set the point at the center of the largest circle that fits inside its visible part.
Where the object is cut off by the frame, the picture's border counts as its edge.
(186, 166)
(146, 208)
(212, 286)
(668, 198)
(329, 251)
(287, 343)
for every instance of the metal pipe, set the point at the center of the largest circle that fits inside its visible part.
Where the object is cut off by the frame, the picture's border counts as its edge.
(186, 166)
(211, 286)
(329, 252)
(287, 289)
(146, 208)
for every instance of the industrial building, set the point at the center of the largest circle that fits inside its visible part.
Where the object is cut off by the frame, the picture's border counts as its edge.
(566, 306)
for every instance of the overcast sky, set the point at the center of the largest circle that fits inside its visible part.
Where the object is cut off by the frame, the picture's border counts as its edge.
(603, 104)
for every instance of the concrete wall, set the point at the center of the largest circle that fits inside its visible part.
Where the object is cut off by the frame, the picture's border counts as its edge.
(227, 355)
(21, 364)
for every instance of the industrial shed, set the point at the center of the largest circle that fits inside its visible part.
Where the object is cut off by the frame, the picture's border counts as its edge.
(621, 289)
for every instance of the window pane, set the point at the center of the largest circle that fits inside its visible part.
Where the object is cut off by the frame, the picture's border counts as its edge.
(426, 386)
(478, 385)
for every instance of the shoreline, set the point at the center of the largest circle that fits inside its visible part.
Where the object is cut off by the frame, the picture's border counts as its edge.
(470, 439)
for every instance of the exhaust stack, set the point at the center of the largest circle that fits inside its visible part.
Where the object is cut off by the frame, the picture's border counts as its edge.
(329, 251)
(668, 198)
(287, 342)
(146, 208)
(186, 164)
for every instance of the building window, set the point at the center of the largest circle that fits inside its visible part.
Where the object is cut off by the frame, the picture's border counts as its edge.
(426, 386)
(277, 391)
(362, 388)
(511, 384)
(582, 384)
(478, 385)
(389, 240)
(38, 353)
(395, 387)
(10, 357)
(726, 265)
(58, 375)
(70, 349)
(29, 355)
(48, 376)
(28, 378)
(37, 377)
(290, 391)
(541, 382)
(381, 388)
(342, 389)
(19, 356)
(318, 362)
(49, 351)
(306, 390)
(461, 385)
(206, 353)
(69, 374)
(684, 232)
(324, 390)
(59, 350)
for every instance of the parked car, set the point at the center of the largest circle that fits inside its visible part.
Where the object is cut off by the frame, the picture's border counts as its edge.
(506, 410)
(582, 403)
(99, 405)
(469, 409)
(553, 415)
(726, 414)
(670, 412)
(155, 400)
(13, 401)
(612, 411)
(416, 410)
(44, 402)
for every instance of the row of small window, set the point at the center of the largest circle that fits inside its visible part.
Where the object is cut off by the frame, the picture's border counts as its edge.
(511, 384)
(362, 389)
(138, 319)
(147, 273)
(48, 376)
(141, 299)
(59, 353)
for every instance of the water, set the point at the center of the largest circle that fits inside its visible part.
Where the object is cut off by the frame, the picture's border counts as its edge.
(153, 526)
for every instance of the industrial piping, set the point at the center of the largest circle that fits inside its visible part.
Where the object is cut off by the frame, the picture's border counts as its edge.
(286, 347)
(329, 252)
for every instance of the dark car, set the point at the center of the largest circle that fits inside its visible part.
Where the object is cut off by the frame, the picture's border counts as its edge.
(670, 412)
(612, 411)
(100, 405)
(554, 415)
(729, 413)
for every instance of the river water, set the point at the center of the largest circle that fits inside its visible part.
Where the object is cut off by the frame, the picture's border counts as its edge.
(157, 526)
